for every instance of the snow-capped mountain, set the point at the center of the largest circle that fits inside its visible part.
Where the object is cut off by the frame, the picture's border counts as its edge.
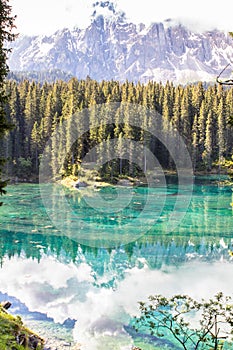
(112, 48)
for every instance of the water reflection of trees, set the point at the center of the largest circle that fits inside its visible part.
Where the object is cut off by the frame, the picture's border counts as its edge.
(156, 250)
(208, 215)
(205, 232)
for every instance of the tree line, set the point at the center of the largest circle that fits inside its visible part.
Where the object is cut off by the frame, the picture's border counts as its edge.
(201, 114)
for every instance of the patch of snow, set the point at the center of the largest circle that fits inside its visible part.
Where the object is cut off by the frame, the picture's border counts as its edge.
(45, 48)
(188, 76)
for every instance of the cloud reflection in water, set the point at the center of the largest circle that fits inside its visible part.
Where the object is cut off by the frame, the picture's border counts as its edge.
(70, 291)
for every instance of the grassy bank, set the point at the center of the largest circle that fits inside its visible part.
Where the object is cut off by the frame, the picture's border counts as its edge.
(15, 336)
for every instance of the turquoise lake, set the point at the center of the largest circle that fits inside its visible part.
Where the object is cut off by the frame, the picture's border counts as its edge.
(82, 259)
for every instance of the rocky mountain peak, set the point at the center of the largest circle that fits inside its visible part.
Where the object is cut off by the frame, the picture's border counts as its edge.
(107, 10)
(112, 48)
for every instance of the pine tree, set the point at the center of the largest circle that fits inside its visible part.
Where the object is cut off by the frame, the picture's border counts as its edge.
(6, 25)
(207, 154)
(31, 113)
(176, 118)
(13, 139)
(166, 128)
(202, 128)
(185, 116)
(221, 131)
(35, 139)
(229, 121)
(197, 97)
(120, 149)
(195, 142)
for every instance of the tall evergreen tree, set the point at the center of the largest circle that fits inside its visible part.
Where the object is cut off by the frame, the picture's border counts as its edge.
(221, 131)
(185, 117)
(6, 27)
(202, 128)
(207, 154)
(195, 142)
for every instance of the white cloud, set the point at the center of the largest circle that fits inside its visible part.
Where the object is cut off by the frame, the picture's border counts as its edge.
(205, 14)
(46, 16)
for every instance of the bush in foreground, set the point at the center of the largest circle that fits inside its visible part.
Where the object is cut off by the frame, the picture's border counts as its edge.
(191, 324)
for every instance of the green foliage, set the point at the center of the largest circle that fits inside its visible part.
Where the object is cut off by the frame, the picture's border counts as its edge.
(201, 115)
(228, 164)
(24, 168)
(193, 325)
(6, 27)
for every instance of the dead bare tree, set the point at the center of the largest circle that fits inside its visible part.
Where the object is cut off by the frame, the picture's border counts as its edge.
(224, 82)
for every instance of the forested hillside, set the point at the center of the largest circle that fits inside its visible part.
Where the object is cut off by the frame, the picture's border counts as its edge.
(200, 114)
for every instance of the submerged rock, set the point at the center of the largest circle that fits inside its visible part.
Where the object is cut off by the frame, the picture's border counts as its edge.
(80, 184)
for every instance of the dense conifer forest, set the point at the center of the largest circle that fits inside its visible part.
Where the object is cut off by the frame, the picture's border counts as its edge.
(201, 114)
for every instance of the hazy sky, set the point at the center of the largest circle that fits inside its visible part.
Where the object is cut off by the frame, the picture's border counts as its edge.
(46, 16)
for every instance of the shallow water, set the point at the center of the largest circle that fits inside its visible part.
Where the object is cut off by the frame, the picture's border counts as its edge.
(84, 259)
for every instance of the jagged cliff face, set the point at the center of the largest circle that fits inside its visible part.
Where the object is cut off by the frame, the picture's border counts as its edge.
(112, 48)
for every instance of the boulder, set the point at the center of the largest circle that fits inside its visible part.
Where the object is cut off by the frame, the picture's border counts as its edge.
(6, 305)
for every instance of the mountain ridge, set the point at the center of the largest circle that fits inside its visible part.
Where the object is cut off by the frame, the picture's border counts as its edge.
(112, 48)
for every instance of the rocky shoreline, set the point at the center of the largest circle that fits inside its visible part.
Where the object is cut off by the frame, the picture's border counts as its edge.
(13, 332)
(56, 336)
